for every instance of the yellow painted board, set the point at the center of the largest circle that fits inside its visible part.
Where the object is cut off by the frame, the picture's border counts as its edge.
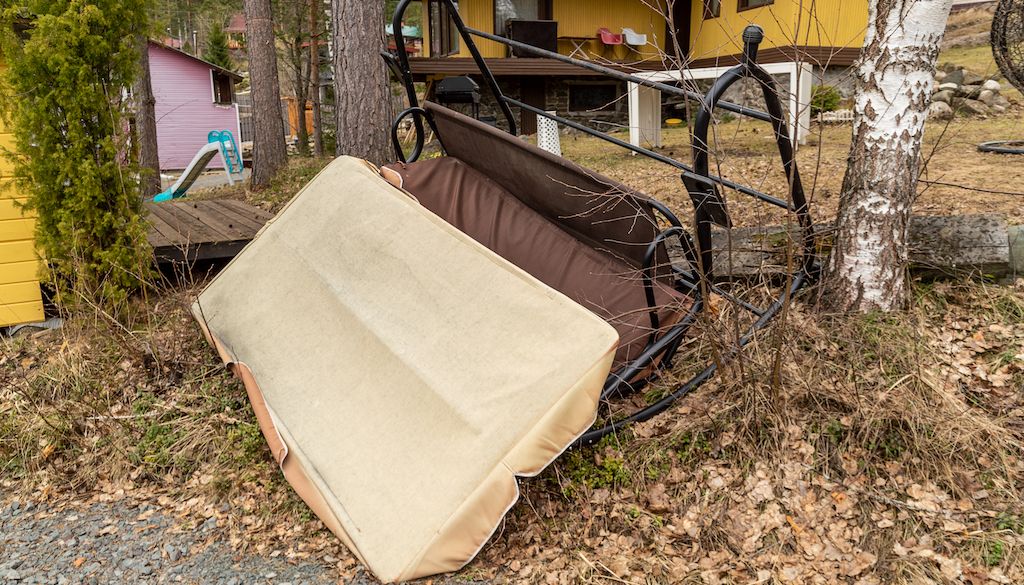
(17, 252)
(832, 23)
(822, 23)
(20, 292)
(721, 36)
(479, 14)
(19, 313)
(13, 230)
(19, 271)
(8, 190)
(582, 18)
(9, 209)
(6, 145)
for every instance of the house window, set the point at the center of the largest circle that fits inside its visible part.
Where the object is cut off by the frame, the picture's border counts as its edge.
(223, 88)
(506, 10)
(444, 37)
(748, 4)
(712, 8)
(593, 97)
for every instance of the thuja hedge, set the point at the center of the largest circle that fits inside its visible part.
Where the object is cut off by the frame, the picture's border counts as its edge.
(70, 63)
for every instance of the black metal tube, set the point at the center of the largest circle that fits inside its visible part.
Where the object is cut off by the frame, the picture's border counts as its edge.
(397, 144)
(648, 276)
(625, 374)
(406, 68)
(797, 196)
(665, 403)
(492, 83)
(591, 66)
(687, 170)
(404, 71)
(417, 114)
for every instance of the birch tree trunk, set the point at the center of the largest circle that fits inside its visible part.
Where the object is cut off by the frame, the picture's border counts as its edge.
(868, 267)
(269, 150)
(363, 104)
(145, 125)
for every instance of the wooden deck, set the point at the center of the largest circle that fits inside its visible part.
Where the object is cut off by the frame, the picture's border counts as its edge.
(188, 231)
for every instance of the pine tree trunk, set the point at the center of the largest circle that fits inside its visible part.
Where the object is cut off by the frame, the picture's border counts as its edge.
(363, 105)
(145, 125)
(269, 150)
(302, 95)
(314, 75)
(868, 267)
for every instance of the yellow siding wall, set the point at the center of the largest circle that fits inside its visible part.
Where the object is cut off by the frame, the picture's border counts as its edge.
(576, 18)
(814, 23)
(830, 23)
(582, 18)
(479, 14)
(833, 23)
(20, 298)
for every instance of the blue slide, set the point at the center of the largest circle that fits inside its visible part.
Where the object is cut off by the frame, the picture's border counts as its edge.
(218, 142)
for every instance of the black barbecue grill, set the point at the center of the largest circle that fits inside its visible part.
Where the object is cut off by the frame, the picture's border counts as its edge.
(459, 90)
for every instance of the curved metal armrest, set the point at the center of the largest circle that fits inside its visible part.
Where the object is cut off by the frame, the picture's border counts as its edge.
(648, 276)
(419, 114)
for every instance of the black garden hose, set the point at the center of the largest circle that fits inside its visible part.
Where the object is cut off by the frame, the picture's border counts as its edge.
(1003, 146)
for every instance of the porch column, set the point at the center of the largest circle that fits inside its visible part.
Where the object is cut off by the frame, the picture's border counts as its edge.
(644, 116)
(800, 80)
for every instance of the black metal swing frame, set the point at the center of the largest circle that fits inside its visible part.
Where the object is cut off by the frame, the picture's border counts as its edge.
(697, 280)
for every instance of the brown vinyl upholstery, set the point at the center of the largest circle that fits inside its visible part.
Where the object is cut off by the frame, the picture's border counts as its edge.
(604, 213)
(607, 285)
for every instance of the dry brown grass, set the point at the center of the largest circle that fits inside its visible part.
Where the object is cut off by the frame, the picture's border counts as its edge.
(869, 456)
(107, 397)
(295, 176)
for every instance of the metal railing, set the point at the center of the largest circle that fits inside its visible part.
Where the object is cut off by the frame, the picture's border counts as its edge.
(703, 187)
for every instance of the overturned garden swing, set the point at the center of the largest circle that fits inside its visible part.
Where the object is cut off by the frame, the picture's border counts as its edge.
(415, 337)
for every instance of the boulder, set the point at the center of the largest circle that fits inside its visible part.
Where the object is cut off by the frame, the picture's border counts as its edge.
(997, 109)
(947, 86)
(940, 76)
(970, 91)
(945, 96)
(987, 97)
(955, 76)
(1002, 101)
(992, 85)
(940, 111)
(971, 78)
(972, 107)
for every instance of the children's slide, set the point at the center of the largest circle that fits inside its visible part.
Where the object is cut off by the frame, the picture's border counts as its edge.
(219, 142)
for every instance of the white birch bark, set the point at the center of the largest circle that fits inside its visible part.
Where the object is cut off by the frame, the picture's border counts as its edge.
(895, 74)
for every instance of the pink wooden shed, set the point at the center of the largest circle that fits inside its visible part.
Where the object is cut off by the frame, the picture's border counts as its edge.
(193, 97)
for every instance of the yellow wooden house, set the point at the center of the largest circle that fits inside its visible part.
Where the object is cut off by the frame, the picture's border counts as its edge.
(825, 33)
(20, 297)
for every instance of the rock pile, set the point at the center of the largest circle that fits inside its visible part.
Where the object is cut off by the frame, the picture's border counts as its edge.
(959, 90)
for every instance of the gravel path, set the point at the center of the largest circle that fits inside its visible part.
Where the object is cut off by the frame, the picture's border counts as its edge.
(108, 543)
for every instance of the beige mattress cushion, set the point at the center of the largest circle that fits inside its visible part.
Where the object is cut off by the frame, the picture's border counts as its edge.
(403, 373)
(593, 277)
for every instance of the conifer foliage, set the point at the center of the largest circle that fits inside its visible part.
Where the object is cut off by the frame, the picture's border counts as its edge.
(217, 50)
(68, 106)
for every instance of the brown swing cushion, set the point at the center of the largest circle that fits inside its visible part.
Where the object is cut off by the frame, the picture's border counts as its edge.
(590, 254)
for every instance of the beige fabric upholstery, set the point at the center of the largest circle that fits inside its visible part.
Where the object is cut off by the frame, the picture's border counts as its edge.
(600, 281)
(403, 374)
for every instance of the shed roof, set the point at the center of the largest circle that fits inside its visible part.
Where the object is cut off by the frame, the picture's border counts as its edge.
(217, 68)
(236, 24)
